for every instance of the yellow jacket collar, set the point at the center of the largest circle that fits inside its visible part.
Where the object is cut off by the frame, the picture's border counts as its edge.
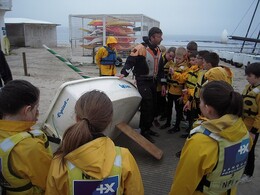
(227, 126)
(16, 126)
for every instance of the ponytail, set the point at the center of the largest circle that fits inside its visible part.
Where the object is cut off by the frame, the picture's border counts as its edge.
(222, 97)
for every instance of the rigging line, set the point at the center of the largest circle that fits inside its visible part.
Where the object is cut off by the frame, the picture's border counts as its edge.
(255, 30)
(243, 16)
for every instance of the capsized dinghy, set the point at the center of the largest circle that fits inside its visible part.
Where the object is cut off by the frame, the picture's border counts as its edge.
(61, 115)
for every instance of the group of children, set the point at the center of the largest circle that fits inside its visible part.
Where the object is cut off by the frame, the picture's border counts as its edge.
(86, 162)
(189, 73)
(214, 158)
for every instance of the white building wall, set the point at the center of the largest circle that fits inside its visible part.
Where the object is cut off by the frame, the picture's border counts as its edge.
(37, 35)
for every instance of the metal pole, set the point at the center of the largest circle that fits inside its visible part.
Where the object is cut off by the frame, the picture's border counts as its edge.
(249, 26)
(25, 64)
(256, 42)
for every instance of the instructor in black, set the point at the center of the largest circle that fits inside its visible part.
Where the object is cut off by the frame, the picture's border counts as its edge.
(143, 61)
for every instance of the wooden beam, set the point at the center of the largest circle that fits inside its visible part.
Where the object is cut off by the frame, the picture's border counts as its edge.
(142, 141)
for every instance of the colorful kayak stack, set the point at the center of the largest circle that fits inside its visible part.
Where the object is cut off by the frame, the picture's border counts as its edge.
(121, 29)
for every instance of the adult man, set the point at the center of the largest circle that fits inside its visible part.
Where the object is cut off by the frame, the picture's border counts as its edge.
(106, 58)
(143, 61)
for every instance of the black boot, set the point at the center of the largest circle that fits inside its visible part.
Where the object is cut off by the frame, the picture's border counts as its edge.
(174, 129)
(146, 134)
(153, 133)
(166, 125)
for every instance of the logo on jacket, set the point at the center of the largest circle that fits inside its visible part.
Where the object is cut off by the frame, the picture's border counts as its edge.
(108, 186)
(235, 157)
(61, 112)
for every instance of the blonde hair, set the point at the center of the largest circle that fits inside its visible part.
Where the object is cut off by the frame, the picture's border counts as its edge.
(94, 112)
(180, 52)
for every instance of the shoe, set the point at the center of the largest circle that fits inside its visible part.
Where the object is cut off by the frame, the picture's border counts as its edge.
(166, 125)
(178, 154)
(245, 179)
(156, 123)
(184, 135)
(174, 130)
(148, 137)
(153, 133)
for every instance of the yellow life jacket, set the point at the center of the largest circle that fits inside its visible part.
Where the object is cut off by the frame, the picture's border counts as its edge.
(250, 107)
(81, 183)
(192, 78)
(9, 181)
(199, 84)
(231, 163)
(180, 68)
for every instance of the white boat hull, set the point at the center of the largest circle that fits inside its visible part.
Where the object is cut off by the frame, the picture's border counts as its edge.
(61, 114)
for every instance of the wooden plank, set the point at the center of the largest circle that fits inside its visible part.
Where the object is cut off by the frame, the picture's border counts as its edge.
(142, 141)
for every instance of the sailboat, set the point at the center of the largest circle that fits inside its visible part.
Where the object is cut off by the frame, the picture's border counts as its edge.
(243, 58)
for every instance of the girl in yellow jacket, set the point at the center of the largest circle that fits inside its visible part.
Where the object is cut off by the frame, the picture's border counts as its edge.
(214, 157)
(25, 155)
(88, 162)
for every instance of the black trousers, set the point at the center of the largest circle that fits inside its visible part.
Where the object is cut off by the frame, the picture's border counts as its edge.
(250, 165)
(147, 89)
(178, 109)
(161, 104)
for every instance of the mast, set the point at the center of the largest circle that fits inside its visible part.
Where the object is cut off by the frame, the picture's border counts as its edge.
(249, 25)
(256, 42)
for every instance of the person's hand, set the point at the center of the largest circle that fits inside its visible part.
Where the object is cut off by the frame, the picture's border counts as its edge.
(171, 71)
(187, 106)
(120, 76)
(252, 135)
(180, 100)
(163, 93)
(184, 91)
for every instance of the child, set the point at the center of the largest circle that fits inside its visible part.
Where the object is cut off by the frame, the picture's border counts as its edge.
(25, 156)
(106, 58)
(189, 86)
(212, 72)
(175, 89)
(251, 114)
(161, 103)
(212, 156)
(88, 161)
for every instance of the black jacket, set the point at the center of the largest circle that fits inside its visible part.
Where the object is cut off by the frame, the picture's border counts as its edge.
(5, 72)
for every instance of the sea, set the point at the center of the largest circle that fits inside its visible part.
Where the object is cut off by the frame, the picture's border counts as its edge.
(212, 43)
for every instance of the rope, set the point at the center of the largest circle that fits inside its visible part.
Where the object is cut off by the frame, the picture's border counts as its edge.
(243, 17)
(67, 62)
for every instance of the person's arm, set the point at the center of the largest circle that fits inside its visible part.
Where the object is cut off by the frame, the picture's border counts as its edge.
(30, 159)
(128, 67)
(131, 176)
(99, 55)
(5, 71)
(198, 158)
(161, 76)
(57, 181)
(256, 125)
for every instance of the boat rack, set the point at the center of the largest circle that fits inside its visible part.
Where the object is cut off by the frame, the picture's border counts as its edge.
(89, 32)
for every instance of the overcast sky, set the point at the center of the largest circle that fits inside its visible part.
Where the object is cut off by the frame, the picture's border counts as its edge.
(187, 17)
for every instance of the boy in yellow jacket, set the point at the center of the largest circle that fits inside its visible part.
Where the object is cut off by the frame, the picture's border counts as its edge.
(175, 85)
(106, 58)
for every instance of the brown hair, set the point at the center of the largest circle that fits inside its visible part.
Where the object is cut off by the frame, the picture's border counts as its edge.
(94, 111)
(222, 97)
